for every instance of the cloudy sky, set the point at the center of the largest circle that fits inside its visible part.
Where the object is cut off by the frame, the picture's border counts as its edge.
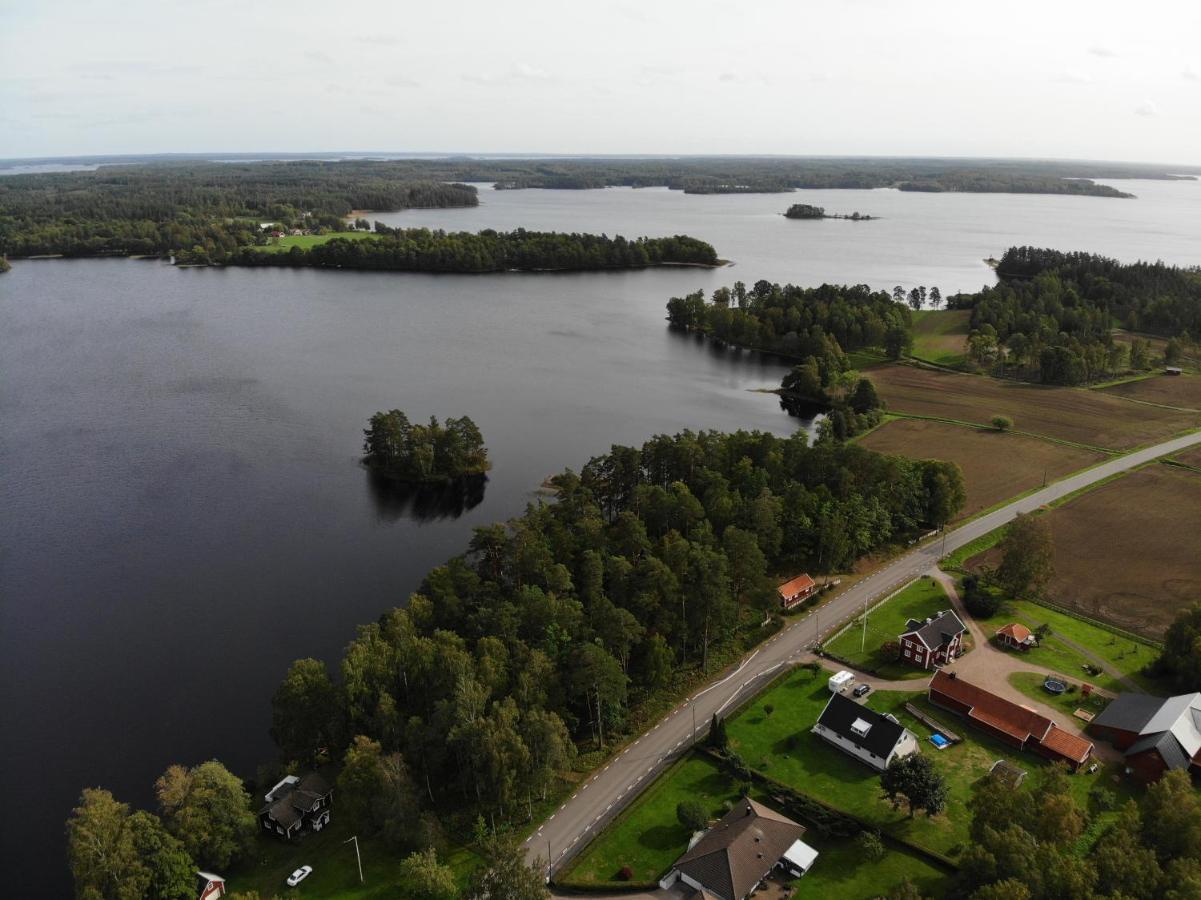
(1053, 78)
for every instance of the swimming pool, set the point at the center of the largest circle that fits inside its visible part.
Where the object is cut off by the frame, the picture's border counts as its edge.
(939, 741)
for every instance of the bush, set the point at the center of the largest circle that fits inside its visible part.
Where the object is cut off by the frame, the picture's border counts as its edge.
(1103, 799)
(692, 815)
(980, 603)
(625, 874)
(871, 846)
(1002, 423)
(768, 709)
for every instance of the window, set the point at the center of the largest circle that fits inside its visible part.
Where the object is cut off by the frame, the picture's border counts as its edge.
(860, 727)
(908, 653)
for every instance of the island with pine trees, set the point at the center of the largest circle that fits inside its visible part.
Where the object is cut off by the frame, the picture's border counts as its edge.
(806, 211)
(424, 454)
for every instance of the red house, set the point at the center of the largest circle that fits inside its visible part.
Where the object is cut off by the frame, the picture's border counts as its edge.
(1156, 733)
(1017, 636)
(211, 886)
(1017, 726)
(794, 591)
(934, 642)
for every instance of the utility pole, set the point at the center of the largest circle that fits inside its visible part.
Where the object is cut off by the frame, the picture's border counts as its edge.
(550, 865)
(944, 541)
(863, 641)
(694, 722)
(355, 838)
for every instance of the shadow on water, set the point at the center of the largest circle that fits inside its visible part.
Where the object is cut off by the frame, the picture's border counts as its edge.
(395, 500)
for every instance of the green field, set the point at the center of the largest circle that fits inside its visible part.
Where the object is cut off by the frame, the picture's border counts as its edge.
(1031, 684)
(841, 872)
(335, 872)
(306, 241)
(782, 746)
(1126, 654)
(647, 836)
(940, 336)
(925, 597)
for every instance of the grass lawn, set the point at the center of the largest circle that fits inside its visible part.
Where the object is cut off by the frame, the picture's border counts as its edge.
(1125, 654)
(335, 872)
(866, 358)
(647, 836)
(925, 597)
(940, 336)
(1031, 684)
(841, 872)
(782, 746)
(305, 241)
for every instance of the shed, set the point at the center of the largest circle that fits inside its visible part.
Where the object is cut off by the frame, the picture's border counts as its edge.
(1007, 772)
(798, 859)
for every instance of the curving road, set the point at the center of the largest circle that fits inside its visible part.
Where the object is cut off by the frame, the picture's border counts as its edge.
(609, 790)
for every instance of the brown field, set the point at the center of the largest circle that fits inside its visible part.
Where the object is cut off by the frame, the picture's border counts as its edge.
(1081, 416)
(1128, 552)
(995, 466)
(1172, 390)
(1190, 458)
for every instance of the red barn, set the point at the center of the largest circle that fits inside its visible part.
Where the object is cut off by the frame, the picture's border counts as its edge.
(211, 886)
(934, 642)
(1156, 733)
(794, 591)
(1017, 726)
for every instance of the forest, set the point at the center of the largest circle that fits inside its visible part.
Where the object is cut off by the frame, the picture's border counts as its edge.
(423, 250)
(550, 632)
(163, 208)
(395, 447)
(1051, 316)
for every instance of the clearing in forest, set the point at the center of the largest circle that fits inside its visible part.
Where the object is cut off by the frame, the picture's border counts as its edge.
(1085, 417)
(996, 465)
(940, 336)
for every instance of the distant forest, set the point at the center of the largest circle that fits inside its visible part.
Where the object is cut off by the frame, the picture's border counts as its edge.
(423, 250)
(165, 208)
(1052, 315)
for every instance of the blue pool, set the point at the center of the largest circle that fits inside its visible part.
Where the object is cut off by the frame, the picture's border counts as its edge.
(939, 741)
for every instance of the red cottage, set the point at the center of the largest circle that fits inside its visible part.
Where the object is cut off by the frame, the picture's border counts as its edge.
(793, 592)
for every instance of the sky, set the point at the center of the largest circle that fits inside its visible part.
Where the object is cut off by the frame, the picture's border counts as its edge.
(1054, 78)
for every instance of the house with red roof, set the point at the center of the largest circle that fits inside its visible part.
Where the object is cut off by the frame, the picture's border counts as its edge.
(1018, 726)
(795, 591)
(1017, 637)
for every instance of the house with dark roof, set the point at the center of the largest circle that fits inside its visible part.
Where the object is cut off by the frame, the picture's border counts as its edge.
(871, 737)
(795, 591)
(296, 804)
(1018, 726)
(728, 861)
(934, 642)
(1156, 733)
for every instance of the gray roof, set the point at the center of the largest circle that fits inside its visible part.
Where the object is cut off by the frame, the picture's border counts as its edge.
(1170, 725)
(882, 735)
(736, 853)
(937, 631)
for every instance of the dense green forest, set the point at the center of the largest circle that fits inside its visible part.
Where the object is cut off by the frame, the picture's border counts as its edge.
(423, 250)
(160, 209)
(1052, 315)
(822, 322)
(554, 626)
(424, 453)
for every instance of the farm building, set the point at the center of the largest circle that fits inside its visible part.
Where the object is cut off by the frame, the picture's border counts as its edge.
(1008, 722)
(934, 642)
(794, 591)
(1016, 636)
(295, 803)
(871, 737)
(1156, 733)
(733, 857)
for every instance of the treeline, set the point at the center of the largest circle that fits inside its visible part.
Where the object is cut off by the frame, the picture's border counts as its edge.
(1044, 843)
(822, 322)
(1051, 317)
(395, 447)
(707, 175)
(157, 209)
(553, 626)
(423, 250)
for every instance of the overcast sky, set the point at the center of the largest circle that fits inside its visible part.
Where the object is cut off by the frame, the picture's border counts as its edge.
(1097, 80)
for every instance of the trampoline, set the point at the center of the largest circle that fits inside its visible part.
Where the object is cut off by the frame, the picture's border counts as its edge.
(1054, 686)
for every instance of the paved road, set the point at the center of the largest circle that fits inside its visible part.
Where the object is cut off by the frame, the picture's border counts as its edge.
(606, 792)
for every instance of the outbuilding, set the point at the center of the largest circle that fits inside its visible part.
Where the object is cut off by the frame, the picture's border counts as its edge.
(1017, 637)
(794, 592)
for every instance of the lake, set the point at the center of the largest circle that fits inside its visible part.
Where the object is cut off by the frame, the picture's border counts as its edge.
(184, 513)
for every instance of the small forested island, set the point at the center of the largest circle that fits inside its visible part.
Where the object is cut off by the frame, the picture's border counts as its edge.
(424, 454)
(805, 211)
(1052, 314)
(423, 250)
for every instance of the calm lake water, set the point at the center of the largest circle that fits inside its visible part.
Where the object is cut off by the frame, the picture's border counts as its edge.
(183, 513)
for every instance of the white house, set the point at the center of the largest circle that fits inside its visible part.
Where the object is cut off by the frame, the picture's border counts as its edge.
(871, 737)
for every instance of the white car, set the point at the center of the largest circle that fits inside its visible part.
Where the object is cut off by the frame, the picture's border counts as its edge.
(299, 875)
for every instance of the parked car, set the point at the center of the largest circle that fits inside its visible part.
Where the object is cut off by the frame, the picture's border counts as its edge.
(299, 875)
(861, 690)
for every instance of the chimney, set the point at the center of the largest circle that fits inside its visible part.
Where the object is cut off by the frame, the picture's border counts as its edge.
(748, 809)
